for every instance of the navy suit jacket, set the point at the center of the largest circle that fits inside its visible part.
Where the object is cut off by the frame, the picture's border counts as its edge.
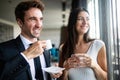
(13, 66)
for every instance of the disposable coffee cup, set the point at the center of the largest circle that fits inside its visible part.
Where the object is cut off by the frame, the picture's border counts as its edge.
(48, 44)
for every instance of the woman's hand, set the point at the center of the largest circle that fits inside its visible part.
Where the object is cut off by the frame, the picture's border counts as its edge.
(81, 60)
(85, 60)
(71, 62)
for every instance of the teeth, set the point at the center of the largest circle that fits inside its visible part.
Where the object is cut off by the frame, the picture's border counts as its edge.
(37, 31)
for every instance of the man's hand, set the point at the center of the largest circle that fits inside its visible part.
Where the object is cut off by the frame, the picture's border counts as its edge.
(35, 49)
(57, 75)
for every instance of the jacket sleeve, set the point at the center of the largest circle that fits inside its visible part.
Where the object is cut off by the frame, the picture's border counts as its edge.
(12, 68)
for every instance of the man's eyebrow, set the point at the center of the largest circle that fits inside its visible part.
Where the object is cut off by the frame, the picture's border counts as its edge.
(32, 17)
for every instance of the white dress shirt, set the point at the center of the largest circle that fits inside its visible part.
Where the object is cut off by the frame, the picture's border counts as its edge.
(26, 44)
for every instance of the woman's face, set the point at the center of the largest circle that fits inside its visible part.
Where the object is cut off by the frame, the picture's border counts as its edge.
(82, 24)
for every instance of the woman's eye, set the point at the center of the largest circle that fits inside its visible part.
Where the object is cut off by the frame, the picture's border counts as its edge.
(87, 19)
(80, 18)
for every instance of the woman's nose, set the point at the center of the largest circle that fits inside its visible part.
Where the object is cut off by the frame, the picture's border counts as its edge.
(84, 21)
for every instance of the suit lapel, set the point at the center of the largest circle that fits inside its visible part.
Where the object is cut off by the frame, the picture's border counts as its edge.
(21, 48)
(19, 44)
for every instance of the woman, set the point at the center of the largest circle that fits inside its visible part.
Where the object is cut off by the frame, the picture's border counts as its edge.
(78, 44)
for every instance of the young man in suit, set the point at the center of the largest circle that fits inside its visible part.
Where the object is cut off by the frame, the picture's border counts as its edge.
(17, 57)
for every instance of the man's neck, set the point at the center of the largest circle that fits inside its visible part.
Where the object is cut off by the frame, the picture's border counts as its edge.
(30, 39)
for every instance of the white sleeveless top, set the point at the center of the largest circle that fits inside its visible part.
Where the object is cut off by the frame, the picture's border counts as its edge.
(86, 73)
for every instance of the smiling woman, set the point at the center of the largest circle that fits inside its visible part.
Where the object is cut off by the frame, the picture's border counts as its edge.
(82, 24)
(94, 64)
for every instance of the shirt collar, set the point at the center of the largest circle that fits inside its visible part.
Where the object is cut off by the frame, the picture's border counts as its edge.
(25, 40)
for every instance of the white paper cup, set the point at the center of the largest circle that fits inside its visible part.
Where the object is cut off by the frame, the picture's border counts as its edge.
(48, 44)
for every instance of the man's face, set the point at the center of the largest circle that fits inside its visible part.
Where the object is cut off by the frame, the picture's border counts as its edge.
(32, 25)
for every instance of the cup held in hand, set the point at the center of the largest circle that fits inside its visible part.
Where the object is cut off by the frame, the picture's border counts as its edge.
(81, 58)
(48, 44)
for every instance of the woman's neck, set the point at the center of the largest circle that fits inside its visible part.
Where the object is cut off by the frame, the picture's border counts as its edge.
(80, 40)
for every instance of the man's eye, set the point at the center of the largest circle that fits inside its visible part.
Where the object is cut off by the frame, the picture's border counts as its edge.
(32, 18)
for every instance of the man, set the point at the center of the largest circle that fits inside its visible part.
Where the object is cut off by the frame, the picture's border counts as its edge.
(17, 56)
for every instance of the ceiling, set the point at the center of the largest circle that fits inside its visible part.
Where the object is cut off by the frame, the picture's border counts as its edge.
(52, 13)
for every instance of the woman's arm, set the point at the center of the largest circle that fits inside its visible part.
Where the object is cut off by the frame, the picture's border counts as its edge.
(100, 69)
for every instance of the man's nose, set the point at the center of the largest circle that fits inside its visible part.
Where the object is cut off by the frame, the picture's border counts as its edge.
(39, 23)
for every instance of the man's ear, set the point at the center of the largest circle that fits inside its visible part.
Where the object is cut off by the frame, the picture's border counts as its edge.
(20, 23)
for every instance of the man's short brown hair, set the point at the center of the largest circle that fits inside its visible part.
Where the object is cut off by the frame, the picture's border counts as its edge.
(26, 5)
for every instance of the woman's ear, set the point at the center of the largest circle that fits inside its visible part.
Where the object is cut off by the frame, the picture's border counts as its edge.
(20, 23)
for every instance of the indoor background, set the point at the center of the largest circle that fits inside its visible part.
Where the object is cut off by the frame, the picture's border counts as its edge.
(104, 17)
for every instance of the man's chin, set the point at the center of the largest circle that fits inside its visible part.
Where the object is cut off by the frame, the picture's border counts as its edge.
(36, 36)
